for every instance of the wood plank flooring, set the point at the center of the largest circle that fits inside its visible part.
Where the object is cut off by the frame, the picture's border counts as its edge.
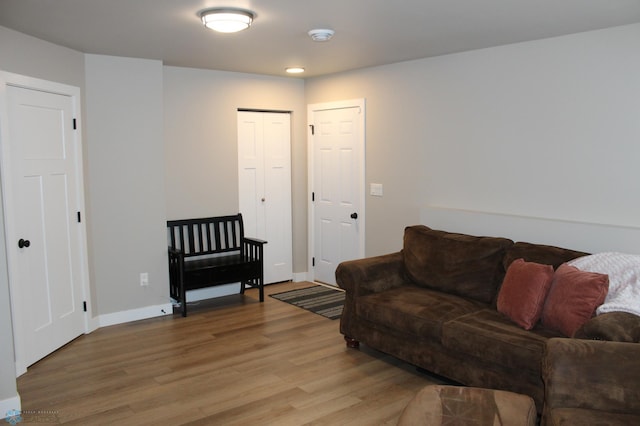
(232, 361)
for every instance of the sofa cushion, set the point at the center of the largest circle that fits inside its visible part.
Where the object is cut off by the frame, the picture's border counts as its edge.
(490, 336)
(524, 291)
(613, 326)
(459, 264)
(573, 299)
(540, 253)
(413, 311)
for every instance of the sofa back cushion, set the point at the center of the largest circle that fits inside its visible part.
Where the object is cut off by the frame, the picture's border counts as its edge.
(540, 253)
(459, 264)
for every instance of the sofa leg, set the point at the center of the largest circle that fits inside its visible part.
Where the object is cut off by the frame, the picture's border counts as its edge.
(351, 342)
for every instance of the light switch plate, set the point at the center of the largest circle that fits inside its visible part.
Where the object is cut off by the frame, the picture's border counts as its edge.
(376, 189)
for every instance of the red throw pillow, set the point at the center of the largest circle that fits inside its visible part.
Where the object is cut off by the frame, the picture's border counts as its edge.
(573, 299)
(523, 292)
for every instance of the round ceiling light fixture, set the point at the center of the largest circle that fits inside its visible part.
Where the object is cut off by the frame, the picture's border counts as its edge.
(226, 19)
(321, 34)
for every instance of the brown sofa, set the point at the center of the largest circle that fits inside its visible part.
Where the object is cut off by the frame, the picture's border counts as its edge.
(591, 382)
(433, 305)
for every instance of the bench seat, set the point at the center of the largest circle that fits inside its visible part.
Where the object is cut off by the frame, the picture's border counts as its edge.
(217, 270)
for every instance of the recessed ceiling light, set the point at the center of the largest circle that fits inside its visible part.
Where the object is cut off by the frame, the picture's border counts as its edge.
(226, 20)
(295, 70)
(321, 34)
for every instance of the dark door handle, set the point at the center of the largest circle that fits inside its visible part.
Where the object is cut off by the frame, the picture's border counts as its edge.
(354, 215)
(23, 243)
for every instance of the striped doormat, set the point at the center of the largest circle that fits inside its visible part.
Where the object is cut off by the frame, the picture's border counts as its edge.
(317, 299)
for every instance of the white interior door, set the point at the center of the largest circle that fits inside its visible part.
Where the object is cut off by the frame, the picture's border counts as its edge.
(43, 204)
(264, 167)
(337, 186)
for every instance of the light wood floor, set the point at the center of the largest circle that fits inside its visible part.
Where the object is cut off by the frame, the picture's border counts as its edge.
(232, 361)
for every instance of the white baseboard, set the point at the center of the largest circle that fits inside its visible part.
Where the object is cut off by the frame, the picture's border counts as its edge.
(9, 406)
(167, 309)
(91, 324)
(211, 292)
(229, 289)
(300, 276)
(135, 314)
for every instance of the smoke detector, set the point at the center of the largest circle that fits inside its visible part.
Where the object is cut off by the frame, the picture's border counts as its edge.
(321, 34)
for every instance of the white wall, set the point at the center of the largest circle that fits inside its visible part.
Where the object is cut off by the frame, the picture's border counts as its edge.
(26, 55)
(547, 128)
(125, 170)
(200, 127)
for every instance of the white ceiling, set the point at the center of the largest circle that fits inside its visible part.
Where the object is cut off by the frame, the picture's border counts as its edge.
(368, 32)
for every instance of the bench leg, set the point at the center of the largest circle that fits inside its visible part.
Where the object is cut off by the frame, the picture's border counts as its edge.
(253, 283)
(183, 299)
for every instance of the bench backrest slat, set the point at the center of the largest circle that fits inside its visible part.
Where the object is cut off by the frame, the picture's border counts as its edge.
(181, 229)
(210, 235)
(217, 236)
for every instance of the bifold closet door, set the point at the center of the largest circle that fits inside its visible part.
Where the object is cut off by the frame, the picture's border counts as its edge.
(264, 183)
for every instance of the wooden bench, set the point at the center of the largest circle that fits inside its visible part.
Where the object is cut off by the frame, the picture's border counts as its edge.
(212, 251)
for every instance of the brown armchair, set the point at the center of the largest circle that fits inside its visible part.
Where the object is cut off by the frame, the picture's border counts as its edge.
(589, 382)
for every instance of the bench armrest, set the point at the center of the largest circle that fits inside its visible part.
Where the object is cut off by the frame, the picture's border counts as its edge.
(592, 374)
(254, 241)
(177, 254)
(372, 274)
(253, 249)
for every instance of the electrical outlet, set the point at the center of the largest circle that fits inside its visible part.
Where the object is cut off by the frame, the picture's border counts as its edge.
(144, 279)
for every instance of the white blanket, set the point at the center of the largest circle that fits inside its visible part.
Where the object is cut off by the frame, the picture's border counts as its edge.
(624, 279)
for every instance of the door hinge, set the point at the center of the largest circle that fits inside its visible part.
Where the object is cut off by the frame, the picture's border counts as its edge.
(84, 306)
(74, 124)
(313, 261)
(79, 218)
(313, 129)
(313, 196)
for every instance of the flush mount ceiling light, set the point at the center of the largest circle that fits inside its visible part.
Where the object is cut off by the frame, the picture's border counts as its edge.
(294, 70)
(321, 34)
(226, 20)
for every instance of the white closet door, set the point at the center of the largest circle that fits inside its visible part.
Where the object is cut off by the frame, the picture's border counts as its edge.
(264, 181)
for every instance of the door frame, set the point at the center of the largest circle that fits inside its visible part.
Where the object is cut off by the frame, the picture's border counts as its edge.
(311, 109)
(8, 79)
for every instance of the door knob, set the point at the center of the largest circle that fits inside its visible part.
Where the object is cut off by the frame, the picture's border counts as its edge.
(23, 243)
(354, 215)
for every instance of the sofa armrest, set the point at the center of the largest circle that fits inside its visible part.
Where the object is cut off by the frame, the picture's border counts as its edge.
(614, 326)
(591, 374)
(372, 274)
